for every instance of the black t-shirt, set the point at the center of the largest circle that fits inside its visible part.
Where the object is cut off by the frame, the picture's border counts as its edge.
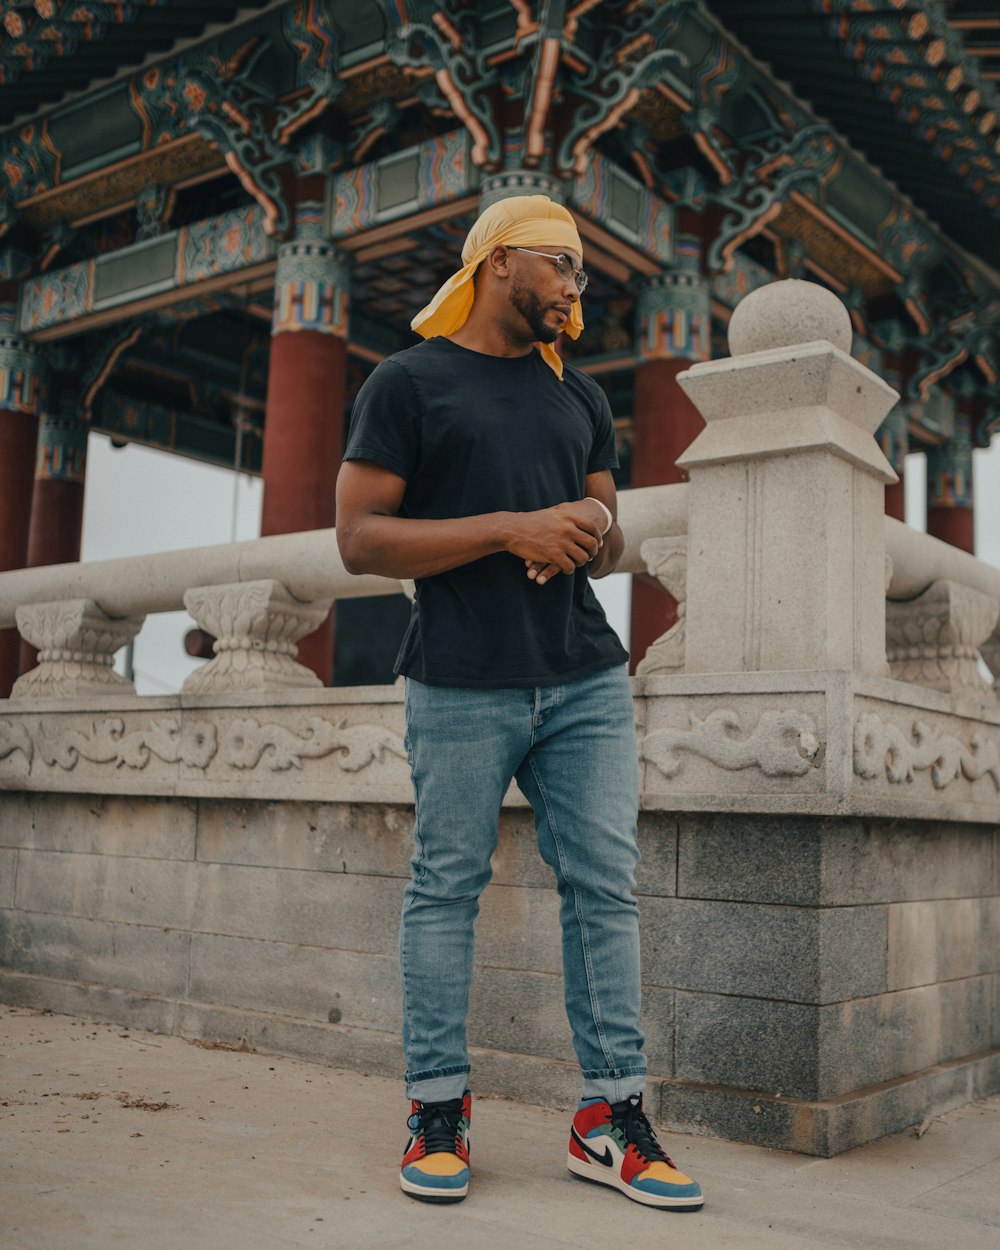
(472, 434)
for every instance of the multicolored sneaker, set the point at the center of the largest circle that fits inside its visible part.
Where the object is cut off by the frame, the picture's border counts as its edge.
(435, 1166)
(614, 1144)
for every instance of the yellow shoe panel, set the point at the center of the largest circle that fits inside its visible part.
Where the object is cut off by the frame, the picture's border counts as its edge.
(661, 1172)
(440, 1164)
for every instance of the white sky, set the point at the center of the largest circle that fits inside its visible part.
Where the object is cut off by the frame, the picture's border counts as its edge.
(140, 501)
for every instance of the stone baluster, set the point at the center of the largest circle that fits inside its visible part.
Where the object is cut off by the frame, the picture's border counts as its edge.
(935, 639)
(786, 494)
(256, 626)
(666, 560)
(76, 644)
(989, 651)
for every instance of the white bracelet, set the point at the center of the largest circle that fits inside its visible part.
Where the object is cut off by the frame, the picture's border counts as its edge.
(607, 512)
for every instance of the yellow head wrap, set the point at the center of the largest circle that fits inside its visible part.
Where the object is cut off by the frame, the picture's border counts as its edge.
(520, 221)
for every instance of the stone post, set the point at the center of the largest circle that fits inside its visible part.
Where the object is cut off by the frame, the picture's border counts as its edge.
(304, 425)
(20, 387)
(672, 331)
(786, 552)
(808, 781)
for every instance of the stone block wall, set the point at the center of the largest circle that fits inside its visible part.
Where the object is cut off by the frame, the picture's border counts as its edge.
(810, 982)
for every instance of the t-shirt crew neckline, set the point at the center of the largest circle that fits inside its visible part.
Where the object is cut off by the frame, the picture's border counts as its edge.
(503, 361)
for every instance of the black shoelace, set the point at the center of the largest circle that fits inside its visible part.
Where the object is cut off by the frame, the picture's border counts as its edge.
(437, 1123)
(630, 1119)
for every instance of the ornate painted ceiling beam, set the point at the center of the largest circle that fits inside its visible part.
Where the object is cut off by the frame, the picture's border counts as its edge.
(442, 35)
(770, 172)
(203, 256)
(222, 101)
(31, 163)
(631, 58)
(104, 351)
(969, 333)
(546, 57)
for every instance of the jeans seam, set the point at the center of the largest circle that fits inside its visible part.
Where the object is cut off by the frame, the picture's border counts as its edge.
(584, 932)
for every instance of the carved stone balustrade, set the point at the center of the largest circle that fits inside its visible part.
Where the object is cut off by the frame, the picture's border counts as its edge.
(256, 626)
(76, 644)
(773, 693)
(935, 639)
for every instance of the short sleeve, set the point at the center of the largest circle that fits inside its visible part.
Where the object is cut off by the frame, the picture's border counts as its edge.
(385, 421)
(604, 453)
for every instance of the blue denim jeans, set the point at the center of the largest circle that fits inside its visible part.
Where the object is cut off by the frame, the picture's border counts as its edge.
(572, 749)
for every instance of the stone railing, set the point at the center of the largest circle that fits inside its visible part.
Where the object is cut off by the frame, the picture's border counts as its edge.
(790, 681)
(257, 599)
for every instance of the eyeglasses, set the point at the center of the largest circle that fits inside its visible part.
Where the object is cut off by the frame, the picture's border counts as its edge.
(563, 264)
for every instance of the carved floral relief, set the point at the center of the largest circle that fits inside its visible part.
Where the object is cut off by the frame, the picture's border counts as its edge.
(248, 744)
(245, 745)
(882, 749)
(14, 737)
(192, 743)
(783, 743)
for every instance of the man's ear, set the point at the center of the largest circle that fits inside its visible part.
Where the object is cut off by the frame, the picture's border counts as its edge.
(499, 261)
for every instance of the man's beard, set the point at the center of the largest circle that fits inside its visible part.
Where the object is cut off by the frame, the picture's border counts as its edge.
(533, 311)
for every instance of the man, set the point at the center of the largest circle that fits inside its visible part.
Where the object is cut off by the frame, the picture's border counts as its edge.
(480, 466)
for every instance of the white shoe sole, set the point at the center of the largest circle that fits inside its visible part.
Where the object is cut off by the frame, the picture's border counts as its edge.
(425, 1194)
(611, 1176)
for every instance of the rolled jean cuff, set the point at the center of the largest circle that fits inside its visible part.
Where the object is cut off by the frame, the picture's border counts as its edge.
(614, 1087)
(438, 1086)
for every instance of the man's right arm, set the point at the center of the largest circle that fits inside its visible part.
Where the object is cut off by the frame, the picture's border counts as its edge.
(373, 539)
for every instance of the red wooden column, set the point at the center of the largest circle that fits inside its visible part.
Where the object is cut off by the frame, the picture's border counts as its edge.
(20, 387)
(894, 435)
(673, 330)
(304, 423)
(950, 514)
(57, 499)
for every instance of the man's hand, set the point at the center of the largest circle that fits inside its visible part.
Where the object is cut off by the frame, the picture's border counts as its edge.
(559, 539)
(586, 513)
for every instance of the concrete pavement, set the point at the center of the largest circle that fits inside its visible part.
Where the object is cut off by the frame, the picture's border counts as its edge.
(111, 1136)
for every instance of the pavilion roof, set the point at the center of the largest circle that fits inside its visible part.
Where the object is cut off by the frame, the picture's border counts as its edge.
(913, 85)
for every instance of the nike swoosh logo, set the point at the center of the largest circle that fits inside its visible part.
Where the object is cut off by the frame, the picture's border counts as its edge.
(607, 1158)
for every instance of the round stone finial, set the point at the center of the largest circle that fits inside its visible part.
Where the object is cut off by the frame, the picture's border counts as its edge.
(785, 314)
